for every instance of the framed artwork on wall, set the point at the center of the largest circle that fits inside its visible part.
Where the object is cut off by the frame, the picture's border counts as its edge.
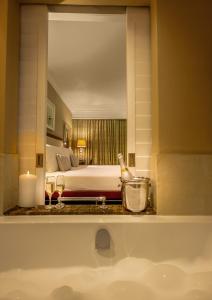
(50, 115)
(66, 135)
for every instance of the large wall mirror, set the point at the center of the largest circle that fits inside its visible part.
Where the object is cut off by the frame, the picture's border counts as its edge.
(98, 81)
(87, 83)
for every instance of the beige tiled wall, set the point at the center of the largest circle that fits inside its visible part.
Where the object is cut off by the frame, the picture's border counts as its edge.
(143, 93)
(182, 143)
(32, 91)
(139, 28)
(184, 184)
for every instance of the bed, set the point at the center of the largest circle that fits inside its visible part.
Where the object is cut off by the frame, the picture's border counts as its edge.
(91, 177)
(85, 180)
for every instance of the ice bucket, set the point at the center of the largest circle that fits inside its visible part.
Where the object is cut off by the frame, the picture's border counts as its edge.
(135, 193)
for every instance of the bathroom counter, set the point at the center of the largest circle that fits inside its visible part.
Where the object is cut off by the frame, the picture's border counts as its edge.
(75, 210)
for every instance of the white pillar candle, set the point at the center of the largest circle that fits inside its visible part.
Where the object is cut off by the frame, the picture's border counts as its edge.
(27, 186)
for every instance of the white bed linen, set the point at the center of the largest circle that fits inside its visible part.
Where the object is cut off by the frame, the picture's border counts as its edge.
(93, 177)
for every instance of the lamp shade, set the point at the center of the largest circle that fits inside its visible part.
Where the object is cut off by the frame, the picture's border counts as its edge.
(81, 143)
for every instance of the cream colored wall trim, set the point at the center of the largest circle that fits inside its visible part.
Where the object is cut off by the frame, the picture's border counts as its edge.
(130, 40)
(33, 91)
(155, 100)
(154, 69)
(90, 2)
(41, 102)
(139, 133)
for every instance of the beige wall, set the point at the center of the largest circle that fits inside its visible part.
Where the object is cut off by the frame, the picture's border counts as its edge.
(33, 92)
(3, 49)
(63, 115)
(185, 75)
(9, 53)
(182, 106)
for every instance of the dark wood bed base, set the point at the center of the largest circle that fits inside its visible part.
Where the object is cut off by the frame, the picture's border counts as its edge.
(111, 196)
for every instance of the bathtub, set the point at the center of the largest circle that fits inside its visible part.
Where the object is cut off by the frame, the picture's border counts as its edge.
(150, 258)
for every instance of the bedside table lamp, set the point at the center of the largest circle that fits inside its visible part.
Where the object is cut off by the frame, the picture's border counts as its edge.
(81, 144)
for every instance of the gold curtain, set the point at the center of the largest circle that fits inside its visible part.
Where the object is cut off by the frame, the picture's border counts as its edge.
(104, 138)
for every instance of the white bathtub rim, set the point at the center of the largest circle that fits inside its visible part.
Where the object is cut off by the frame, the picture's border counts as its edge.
(107, 219)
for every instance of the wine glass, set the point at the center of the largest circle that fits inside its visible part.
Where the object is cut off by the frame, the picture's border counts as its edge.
(103, 200)
(60, 185)
(50, 188)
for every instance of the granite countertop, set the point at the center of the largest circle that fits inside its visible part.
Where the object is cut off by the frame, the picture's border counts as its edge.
(76, 209)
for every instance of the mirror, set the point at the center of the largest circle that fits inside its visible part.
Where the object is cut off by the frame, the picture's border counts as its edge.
(87, 86)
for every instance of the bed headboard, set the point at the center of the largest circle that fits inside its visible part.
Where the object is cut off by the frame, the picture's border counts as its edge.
(51, 161)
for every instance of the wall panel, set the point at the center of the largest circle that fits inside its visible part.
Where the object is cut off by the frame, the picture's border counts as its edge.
(139, 89)
(33, 91)
(183, 106)
(9, 53)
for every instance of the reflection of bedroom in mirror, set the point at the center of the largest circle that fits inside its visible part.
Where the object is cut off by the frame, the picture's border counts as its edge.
(87, 86)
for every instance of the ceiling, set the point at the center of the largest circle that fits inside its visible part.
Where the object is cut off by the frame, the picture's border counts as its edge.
(87, 63)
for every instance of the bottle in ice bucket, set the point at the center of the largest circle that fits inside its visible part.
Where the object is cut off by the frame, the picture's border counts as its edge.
(134, 189)
(125, 173)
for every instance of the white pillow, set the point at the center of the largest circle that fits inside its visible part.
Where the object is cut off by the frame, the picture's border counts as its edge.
(74, 160)
(70, 150)
(64, 162)
(51, 160)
